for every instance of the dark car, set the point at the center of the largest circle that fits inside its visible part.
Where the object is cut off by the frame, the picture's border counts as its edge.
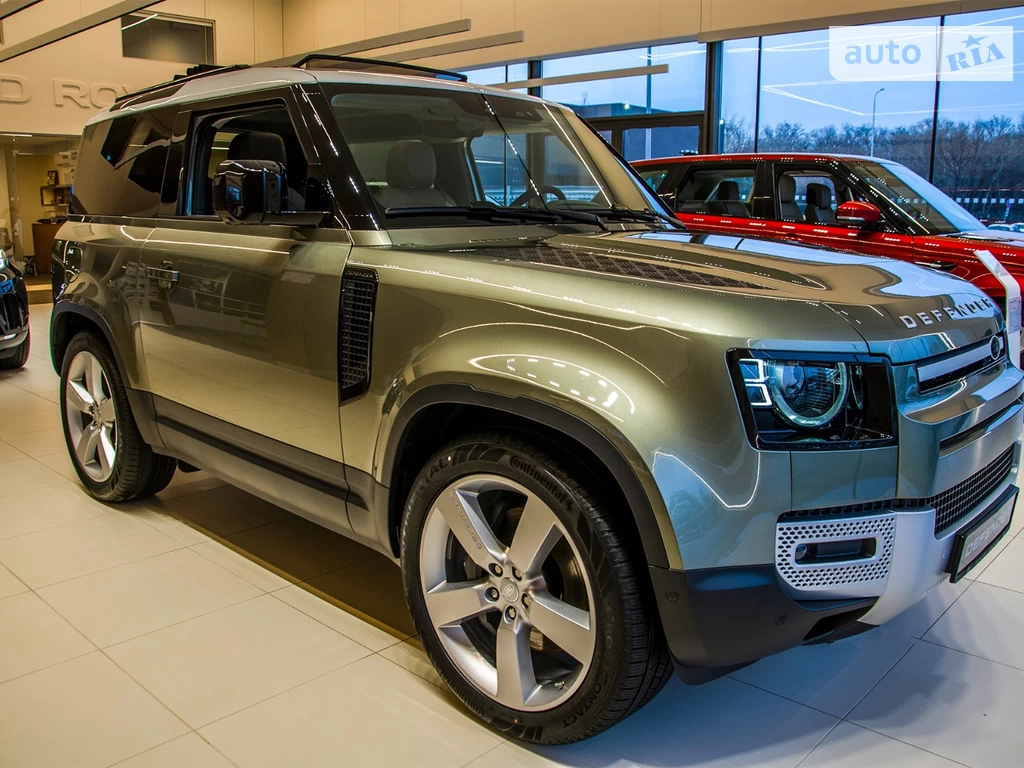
(867, 205)
(14, 333)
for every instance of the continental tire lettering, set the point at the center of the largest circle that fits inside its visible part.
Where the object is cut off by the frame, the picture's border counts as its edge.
(516, 463)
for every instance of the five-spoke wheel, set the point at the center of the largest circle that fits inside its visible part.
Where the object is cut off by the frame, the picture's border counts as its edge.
(506, 593)
(525, 595)
(91, 416)
(108, 452)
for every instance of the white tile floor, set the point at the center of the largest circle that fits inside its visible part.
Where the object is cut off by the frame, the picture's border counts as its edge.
(205, 627)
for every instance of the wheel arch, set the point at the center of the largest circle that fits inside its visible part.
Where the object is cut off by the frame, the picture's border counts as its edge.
(68, 320)
(441, 412)
(71, 318)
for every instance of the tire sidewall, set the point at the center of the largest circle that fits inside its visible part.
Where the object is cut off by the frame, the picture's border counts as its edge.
(86, 342)
(587, 704)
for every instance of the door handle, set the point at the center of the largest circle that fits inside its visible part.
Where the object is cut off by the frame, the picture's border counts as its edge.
(165, 274)
(942, 266)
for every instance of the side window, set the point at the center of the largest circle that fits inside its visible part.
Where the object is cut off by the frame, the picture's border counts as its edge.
(810, 195)
(717, 190)
(121, 165)
(653, 175)
(264, 134)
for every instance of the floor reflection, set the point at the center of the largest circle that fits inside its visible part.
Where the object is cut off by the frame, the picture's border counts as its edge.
(325, 564)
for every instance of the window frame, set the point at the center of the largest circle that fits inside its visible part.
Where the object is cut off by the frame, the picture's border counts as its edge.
(691, 168)
(199, 114)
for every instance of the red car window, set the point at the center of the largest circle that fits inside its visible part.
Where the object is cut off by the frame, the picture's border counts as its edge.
(719, 191)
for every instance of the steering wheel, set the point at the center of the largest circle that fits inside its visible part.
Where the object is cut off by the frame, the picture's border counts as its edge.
(537, 193)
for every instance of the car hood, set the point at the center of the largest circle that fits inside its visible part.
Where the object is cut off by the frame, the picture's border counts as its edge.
(896, 308)
(993, 236)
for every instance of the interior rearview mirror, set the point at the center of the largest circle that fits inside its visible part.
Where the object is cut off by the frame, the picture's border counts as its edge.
(861, 215)
(256, 192)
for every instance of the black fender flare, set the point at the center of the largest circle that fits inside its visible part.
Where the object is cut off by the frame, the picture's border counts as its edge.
(547, 415)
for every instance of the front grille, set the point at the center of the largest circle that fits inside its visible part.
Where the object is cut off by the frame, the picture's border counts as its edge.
(863, 572)
(358, 296)
(938, 372)
(951, 506)
(11, 318)
(958, 502)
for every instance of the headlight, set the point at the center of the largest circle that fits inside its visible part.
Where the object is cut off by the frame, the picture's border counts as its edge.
(814, 402)
(3, 259)
(808, 394)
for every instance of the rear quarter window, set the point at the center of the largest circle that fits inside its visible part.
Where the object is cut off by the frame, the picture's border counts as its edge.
(121, 165)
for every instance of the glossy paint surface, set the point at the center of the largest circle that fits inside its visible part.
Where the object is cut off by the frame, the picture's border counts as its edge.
(247, 331)
(629, 331)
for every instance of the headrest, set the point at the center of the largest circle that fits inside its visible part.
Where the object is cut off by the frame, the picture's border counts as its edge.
(819, 195)
(411, 165)
(257, 145)
(728, 190)
(787, 189)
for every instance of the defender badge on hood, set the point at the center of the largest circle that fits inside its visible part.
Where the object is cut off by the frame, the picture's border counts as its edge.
(953, 312)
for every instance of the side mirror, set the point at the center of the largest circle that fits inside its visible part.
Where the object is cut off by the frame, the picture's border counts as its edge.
(246, 191)
(256, 192)
(858, 214)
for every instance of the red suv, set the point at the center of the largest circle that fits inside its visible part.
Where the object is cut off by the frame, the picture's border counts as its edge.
(860, 204)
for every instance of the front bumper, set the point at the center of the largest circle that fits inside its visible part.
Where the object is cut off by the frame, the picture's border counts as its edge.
(13, 310)
(719, 619)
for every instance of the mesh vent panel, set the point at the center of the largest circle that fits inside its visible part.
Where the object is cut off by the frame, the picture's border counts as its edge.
(358, 296)
(839, 574)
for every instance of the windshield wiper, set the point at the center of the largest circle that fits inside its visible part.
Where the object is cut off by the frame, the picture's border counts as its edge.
(623, 213)
(494, 212)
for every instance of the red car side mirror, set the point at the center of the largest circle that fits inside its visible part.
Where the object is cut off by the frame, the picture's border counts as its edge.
(858, 214)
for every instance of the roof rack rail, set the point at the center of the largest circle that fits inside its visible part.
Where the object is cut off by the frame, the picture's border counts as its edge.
(192, 73)
(378, 66)
(309, 61)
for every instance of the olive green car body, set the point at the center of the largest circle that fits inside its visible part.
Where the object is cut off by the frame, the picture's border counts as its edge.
(615, 343)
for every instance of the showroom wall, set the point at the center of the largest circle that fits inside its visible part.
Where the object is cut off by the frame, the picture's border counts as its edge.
(564, 26)
(53, 90)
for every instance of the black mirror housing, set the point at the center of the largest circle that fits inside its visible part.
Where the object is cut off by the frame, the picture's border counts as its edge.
(249, 191)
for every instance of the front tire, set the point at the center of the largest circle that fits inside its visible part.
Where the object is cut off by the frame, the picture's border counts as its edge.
(112, 460)
(524, 593)
(16, 358)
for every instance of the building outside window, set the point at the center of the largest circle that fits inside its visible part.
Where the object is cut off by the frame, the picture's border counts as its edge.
(503, 73)
(779, 96)
(158, 36)
(803, 108)
(738, 122)
(979, 143)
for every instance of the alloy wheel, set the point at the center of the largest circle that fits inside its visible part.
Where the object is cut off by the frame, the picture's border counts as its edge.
(506, 591)
(91, 416)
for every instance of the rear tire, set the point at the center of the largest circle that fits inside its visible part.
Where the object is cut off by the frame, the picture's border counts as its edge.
(16, 358)
(582, 648)
(112, 460)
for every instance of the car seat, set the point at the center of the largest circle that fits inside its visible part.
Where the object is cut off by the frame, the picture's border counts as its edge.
(788, 209)
(410, 173)
(819, 205)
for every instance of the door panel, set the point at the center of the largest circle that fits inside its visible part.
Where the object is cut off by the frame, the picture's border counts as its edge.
(789, 222)
(241, 323)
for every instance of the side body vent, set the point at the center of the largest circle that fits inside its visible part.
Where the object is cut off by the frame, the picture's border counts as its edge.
(355, 336)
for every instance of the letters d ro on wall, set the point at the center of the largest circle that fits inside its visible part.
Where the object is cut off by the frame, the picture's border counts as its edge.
(15, 89)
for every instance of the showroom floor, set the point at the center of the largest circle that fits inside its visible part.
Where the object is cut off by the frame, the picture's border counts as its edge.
(205, 627)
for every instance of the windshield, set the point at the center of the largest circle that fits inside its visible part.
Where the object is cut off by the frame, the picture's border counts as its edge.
(442, 156)
(927, 206)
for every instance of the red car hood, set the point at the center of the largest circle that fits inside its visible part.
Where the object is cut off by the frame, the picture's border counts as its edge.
(991, 237)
